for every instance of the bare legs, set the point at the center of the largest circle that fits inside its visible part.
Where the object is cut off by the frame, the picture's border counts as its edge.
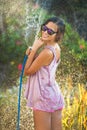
(56, 120)
(42, 120)
(47, 121)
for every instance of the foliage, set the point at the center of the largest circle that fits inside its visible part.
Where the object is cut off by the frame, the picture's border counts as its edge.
(12, 42)
(77, 45)
(12, 51)
(75, 111)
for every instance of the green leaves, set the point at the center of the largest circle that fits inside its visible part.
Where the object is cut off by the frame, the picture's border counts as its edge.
(76, 44)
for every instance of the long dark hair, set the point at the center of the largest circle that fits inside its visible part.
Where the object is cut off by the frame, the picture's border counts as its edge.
(61, 27)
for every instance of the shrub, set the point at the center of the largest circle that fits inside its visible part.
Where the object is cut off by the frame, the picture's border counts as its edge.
(77, 45)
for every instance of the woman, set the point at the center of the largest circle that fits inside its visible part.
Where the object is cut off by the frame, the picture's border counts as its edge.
(42, 91)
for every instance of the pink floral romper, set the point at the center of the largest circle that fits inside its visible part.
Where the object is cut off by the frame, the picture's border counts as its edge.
(42, 91)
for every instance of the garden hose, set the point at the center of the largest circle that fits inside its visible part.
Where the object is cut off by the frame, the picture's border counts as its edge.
(19, 92)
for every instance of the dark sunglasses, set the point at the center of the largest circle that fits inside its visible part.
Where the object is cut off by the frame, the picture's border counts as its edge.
(49, 31)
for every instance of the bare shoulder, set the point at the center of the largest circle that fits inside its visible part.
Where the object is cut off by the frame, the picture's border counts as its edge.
(46, 55)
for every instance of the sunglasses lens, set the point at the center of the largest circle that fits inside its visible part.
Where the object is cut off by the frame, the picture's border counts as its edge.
(44, 28)
(49, 31)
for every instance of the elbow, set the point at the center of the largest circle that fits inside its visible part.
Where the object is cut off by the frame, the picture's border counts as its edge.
(28, 72)
(25, 73)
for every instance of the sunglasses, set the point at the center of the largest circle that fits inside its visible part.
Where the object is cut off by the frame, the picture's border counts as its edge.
(49, 31)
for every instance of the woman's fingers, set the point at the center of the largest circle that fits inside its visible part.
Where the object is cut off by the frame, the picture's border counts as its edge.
(28, 50)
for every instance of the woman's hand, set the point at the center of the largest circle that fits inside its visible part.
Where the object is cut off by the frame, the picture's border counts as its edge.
(28, 51)
(37, 44)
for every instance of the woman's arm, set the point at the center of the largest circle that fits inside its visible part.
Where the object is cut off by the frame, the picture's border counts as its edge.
(31, 56)
(29, 61)
(33, 65)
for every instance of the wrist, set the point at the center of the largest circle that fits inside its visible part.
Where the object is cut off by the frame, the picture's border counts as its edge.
(34, 49)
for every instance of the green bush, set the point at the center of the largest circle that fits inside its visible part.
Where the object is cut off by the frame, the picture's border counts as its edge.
(77, 45)
(11, 45)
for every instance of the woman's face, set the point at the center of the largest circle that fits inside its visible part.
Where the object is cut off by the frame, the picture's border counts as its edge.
(49, 32)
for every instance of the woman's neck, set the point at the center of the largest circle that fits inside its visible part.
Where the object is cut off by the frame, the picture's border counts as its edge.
(51, 43)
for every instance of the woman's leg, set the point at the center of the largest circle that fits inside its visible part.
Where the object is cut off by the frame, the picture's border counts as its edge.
(42, 120)
(56, 120)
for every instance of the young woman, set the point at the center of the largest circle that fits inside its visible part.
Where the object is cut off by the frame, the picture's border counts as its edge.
(42, 91)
